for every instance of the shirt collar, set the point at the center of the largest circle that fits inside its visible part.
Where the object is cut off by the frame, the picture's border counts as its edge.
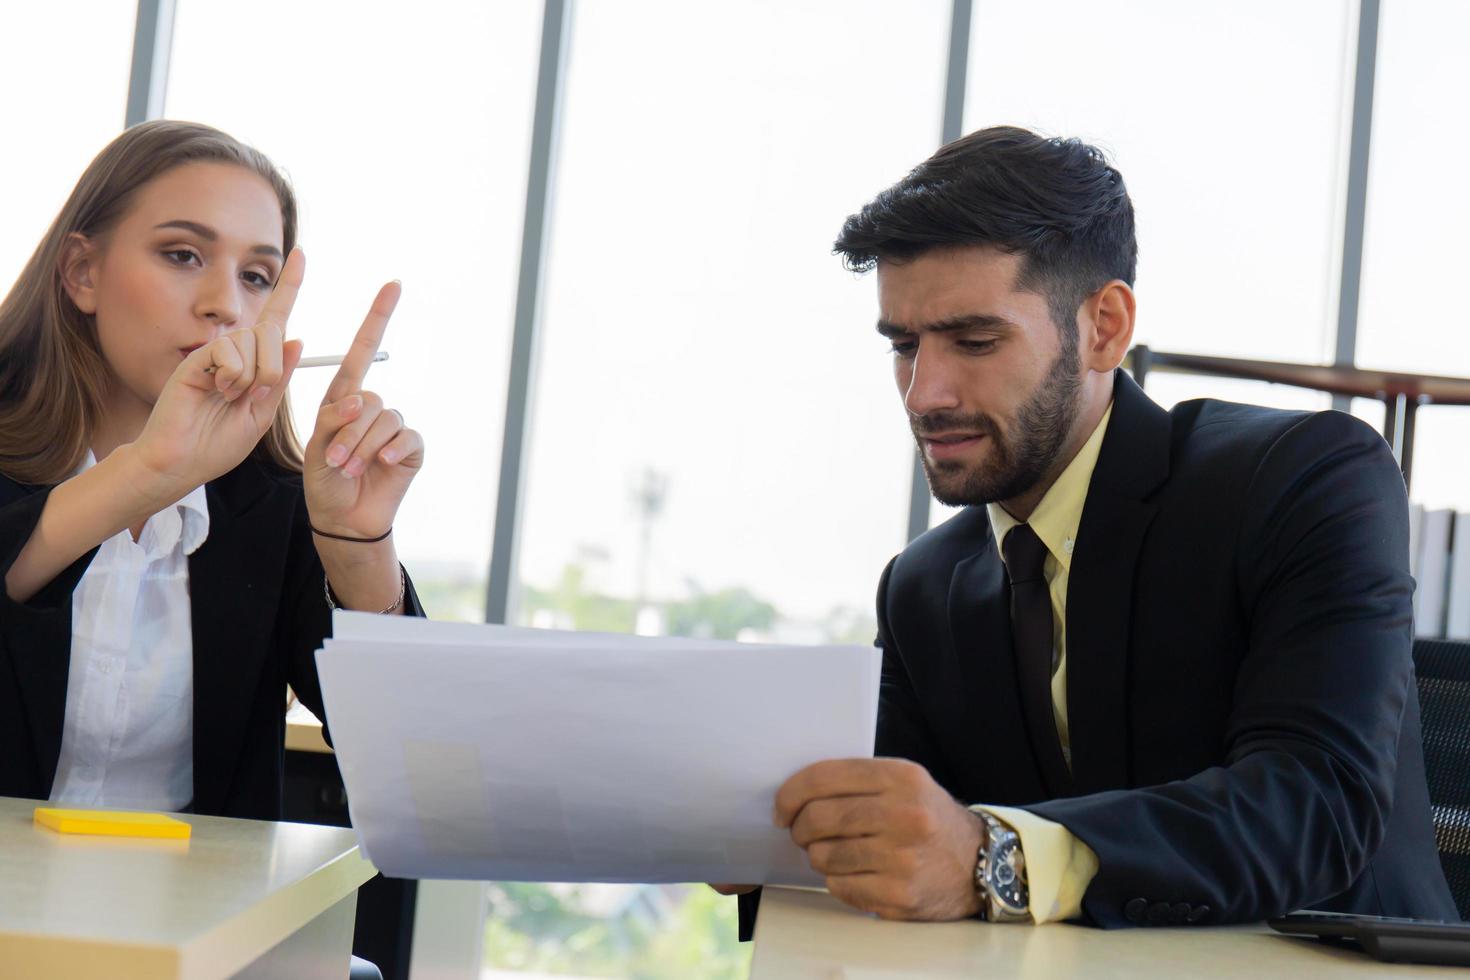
(194, 509)
(1059, 514)
(185, 523)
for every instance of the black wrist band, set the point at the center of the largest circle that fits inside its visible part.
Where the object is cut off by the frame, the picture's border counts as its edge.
(344, 537)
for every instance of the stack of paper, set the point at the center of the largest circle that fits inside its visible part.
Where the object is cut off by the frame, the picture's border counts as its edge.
(498, 753)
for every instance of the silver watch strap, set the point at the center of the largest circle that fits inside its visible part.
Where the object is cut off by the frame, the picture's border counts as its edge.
(993, 909)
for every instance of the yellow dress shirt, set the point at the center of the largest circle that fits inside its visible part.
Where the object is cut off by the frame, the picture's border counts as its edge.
(1059, 867)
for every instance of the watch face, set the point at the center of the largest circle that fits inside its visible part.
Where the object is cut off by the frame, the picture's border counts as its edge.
(1007, 874)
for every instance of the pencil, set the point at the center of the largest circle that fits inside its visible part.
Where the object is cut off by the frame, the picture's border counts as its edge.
(327, 360)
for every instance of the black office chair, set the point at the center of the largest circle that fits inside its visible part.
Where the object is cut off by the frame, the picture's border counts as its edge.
(1443, 667)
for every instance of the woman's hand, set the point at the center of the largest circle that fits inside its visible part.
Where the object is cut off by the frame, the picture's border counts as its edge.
(221, 400)
(361, 458)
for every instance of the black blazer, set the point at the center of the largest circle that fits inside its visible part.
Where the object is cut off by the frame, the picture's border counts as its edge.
(1243, 713)
(259, 615)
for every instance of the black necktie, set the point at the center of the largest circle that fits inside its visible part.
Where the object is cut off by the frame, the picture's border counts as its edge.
(1031, 640)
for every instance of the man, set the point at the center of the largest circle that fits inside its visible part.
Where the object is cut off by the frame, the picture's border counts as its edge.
(1158, 671)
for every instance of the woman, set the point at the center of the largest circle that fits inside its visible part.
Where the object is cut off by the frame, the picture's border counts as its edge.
(171, 553)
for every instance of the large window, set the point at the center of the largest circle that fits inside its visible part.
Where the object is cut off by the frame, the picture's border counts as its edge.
(407, 142)
(1415, 250)
(1229, 123)
(718, 448)
(67, 93)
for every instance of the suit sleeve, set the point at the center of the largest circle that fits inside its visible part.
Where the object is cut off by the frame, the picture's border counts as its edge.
(18, 520)
(35, 641)
(902, 730)
(42, 624)
(1300, 804)
(307, 618)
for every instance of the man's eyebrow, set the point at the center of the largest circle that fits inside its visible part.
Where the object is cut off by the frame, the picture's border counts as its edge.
(210, 235)
(971, 321)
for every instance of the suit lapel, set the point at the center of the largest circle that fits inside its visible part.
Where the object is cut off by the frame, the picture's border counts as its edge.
(1133, 461)
(1003, 765)
(1099, 604)
(234, 579)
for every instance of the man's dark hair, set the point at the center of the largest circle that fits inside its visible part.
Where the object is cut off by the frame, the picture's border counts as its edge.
(1055, 202)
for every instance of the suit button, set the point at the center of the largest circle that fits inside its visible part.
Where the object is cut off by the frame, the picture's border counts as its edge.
(1158, 913)
(1136, 911)
(1200, 913)
(1179, 914)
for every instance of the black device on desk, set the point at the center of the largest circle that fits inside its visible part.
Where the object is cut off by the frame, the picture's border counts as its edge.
(1395, 940)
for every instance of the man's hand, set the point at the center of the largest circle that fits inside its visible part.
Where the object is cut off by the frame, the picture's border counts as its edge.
(734, 889)
(889, 839)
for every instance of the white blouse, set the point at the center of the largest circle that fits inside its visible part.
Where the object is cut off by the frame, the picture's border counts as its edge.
(128, 738)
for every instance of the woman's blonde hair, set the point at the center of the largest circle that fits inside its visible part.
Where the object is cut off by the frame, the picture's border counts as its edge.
(53, 377)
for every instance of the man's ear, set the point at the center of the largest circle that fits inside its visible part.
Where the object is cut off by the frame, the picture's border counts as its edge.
(1107, 326)
(77, 267)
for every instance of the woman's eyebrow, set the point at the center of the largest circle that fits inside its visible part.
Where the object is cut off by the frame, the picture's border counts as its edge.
(210, 235)
(203, 231)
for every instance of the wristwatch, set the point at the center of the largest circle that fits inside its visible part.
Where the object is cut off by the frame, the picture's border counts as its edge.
(1000, 874)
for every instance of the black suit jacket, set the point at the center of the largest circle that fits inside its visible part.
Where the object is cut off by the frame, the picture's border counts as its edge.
(1243, 713)
(259, 615)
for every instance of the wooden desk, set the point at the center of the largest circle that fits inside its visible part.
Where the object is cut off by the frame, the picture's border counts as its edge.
(408, 928)
(242, 898)
(811, 936)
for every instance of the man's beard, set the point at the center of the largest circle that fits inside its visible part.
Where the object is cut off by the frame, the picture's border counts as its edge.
(1018, 462)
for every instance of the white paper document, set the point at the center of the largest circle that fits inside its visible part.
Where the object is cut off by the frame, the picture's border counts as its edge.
(500, 753)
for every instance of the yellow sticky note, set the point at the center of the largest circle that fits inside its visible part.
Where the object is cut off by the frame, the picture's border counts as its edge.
(112, 823)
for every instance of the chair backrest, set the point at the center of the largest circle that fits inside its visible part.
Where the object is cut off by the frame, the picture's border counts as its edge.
(1443, 669)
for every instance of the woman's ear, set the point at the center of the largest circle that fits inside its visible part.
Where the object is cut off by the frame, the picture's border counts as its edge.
(77, 267)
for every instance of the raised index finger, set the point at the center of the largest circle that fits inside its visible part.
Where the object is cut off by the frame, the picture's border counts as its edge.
(359, 356)
(278, 304)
